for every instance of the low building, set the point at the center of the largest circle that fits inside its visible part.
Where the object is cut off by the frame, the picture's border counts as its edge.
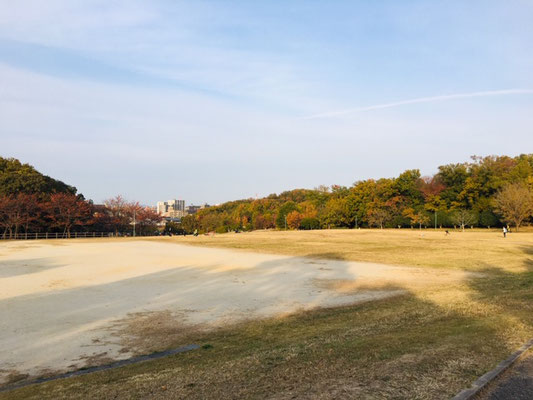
(192, 209)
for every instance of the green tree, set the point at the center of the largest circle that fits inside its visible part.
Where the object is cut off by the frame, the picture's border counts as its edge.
(283, 211)
(488, 219)
(189, 224)
(309, 224)
(16, 177)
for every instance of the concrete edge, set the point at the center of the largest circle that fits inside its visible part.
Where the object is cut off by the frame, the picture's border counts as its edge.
(116, 364)
(484, 380)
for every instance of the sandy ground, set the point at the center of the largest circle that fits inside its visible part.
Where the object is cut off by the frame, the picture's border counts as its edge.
(68, 304)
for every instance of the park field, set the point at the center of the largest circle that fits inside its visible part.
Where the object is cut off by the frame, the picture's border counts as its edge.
(447, 309)
(472, 250)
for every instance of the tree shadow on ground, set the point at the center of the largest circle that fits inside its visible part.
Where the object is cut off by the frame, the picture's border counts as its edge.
(27, 266)
(509, 292)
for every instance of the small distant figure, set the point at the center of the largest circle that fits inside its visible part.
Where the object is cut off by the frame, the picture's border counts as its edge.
(195, 232)
(504, 232)
(447, 232)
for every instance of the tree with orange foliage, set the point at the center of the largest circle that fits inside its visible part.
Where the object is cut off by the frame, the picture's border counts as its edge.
(416, 217)
(117, 208)
(5, 210)
(294, 218)
(430, 186)
(12, 215)
(147, 220)
(308, 209)
(31, 207)
(67, 210)
(18, 211)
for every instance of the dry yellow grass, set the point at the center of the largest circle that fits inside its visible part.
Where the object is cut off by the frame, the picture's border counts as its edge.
(426, 344)
(471, 250)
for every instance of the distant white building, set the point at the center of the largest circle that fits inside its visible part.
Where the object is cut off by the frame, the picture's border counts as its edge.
(171, 208)
(161, 207)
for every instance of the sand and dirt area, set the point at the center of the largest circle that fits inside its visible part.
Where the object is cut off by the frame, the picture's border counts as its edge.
(66, 305)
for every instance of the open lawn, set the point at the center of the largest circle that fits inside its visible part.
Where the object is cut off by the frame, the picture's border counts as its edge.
(472, 250)
(430, 340)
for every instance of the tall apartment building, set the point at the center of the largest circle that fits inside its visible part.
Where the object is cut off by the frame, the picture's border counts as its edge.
(171, 208)
(161, 207)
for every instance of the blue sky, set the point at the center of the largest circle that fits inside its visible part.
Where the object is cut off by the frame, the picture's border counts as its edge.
(219, 100)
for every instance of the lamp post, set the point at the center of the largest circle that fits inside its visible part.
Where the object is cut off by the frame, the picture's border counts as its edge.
(134, 222)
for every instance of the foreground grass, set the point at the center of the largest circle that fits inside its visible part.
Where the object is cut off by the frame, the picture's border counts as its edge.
(426, 344)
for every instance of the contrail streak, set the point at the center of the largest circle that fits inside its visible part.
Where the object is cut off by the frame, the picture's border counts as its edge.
(420, 100)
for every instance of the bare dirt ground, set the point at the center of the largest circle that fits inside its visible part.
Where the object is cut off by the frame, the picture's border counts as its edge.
(69, 304)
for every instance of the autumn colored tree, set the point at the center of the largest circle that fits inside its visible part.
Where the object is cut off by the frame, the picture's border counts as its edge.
(416, 217)
(18, 211)
(294, 218)
(14, 214)
(102, 220)
(259, 221)
(469, 193)
(378, 216)
(308, 209)
(515, 203)
(68, 210)
(118, 210)
(430, 186)
(146, 219)
(32, 209)
(337, 213)
(6, 207)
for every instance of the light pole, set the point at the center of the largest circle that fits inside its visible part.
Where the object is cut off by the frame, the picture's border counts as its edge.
(134, 222)
(435, 219)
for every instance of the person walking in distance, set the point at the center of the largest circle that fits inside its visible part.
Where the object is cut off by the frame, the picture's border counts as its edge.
(504, 231)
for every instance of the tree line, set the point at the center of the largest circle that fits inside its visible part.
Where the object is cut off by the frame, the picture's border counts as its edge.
(33, 202)
(66, 213)
(486, 192)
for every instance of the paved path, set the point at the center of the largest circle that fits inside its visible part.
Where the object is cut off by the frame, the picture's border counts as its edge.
(514, 384)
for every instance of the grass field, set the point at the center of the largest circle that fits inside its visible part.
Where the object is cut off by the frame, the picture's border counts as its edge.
(427, 344)
(471, 250)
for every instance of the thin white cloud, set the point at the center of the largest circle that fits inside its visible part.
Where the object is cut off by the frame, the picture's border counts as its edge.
(420, 100)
